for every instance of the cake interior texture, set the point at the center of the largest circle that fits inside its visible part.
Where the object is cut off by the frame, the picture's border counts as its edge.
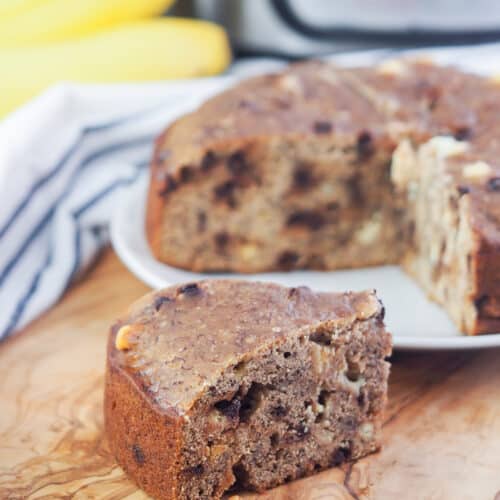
(300, 406)
(293, 205)
(326, 168)
(291, 384)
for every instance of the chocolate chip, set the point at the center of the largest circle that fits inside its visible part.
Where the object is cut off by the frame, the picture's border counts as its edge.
(281, 103)
(308, 218)
(494, 184)
(169, 186)
(230, 409)
(186, 173)
(202, 221)
(302, 431)
(481, 302)
(287, 260)
(361, 399)
(339, 456)
(279, 411)
(322, 127)
(302, 177)
(196, 470)
(221, 240)
(354, 185)
(138, 454)
(208, 161)
(332, 206)
(191, 289)
(433, 100)
(321, 338)
(322, 397)
(364, 145)
(241, 475)
(252, 106)
(297, 291)
(225, 191)
(349, 423)
(463, 190)
(244, 104)
(381, 314)
(462, 133)
(275, 439)
(237, 163)
(160, 301)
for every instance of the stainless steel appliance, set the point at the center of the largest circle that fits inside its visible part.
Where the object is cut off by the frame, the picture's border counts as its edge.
(305, 27)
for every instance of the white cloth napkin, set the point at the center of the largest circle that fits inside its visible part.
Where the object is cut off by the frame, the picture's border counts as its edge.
(66, 157)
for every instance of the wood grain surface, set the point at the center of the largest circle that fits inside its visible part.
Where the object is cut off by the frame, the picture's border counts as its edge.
(441, 434)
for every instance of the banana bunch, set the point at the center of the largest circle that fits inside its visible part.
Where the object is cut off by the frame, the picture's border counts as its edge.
(46, 41)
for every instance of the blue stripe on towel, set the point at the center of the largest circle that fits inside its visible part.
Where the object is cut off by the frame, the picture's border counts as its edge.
(95, 199)
(42, 181)
(21, 305)
(46, 217)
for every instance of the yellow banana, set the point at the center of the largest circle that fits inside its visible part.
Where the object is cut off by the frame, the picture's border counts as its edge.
(15, 7)
(54, 20)
(159, 49)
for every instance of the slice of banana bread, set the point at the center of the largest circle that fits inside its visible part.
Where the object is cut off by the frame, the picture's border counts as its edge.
(455, 249)
(226, 384)
(295, 170)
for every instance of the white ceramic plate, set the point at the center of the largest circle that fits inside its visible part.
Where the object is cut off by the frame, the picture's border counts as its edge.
(416, 323)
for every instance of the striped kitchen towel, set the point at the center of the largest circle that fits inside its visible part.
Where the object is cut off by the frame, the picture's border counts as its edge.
(66, 158)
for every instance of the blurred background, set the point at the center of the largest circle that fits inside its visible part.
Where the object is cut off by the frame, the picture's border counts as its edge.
(43, 42)
(298, 28)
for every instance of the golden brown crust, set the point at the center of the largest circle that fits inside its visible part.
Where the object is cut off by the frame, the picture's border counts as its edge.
(230, 319)
(474, 175)
(134, 428)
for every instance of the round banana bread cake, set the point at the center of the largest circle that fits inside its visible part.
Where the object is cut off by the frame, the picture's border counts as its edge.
(323, 167)
(229, 384)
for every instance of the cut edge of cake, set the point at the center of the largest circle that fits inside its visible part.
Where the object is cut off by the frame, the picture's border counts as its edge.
(449, 256)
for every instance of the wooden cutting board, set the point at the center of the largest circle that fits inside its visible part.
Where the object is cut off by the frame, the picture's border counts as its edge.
(442, 429)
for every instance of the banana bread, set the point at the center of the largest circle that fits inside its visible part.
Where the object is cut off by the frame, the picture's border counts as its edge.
(231, 384)
(296, 170)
